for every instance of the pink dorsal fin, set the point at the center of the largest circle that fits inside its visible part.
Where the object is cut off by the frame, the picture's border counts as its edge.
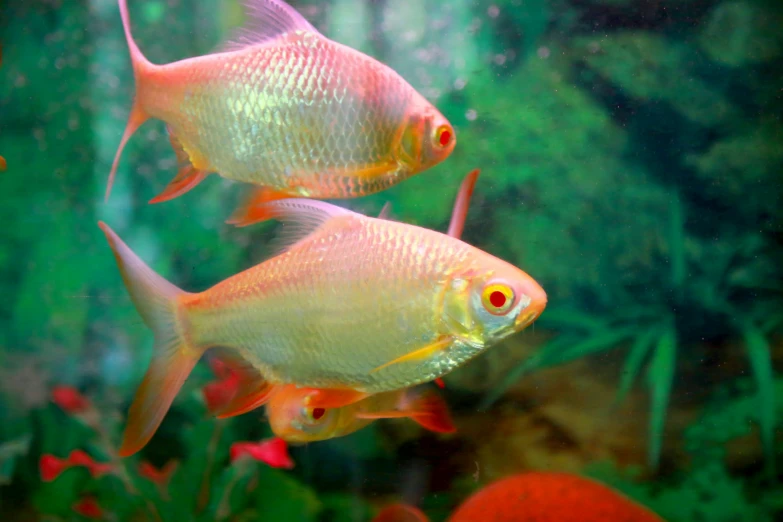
(461, 204)
(267, 20)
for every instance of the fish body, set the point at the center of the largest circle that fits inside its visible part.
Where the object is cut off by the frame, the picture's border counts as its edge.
(353, 306)
(355, 294)
(290, 110)
(293, 420)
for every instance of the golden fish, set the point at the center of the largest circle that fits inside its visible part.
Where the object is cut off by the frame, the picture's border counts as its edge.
(353, 306)
(293, 420)
(288, 109)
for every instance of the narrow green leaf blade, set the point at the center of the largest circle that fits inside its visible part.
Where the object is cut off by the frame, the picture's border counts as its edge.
(660, 376)
(633, 362)
(560, 351)
(758, 350)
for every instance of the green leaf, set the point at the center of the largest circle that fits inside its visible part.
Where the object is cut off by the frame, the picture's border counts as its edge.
(565, 318)
(677, 239)
(279, 496)
(758, 350)
(660, 375)
(633, 362)
(560, 351)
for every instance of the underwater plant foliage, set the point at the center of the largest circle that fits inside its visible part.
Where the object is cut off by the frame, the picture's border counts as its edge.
(631, 163)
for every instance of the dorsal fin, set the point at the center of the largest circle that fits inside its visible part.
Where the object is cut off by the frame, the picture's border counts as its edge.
(300, 218)
(266, 20)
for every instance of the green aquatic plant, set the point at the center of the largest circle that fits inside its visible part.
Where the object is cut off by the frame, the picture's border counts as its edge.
(200, 473)
(711, 291)
(705, 489)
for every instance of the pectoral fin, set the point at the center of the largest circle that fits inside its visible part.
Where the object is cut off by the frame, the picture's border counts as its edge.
(420, 354)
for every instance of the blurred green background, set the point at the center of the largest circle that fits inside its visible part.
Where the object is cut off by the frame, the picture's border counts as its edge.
(632, 163)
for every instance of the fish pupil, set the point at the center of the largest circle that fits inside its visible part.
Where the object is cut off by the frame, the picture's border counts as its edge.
(445, 137)
(318, 413)
(497, 298)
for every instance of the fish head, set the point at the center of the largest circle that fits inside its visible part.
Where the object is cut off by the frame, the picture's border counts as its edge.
(427, 139)
(490, 301)
(293, 420)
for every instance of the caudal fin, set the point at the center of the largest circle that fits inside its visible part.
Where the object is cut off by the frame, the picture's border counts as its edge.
(173, 358)
(137, 114)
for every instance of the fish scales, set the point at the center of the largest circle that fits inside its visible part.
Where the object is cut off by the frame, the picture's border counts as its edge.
(297, 316)
(269, 114)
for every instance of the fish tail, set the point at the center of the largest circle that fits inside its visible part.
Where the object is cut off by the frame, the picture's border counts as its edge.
(174, 356)
(137, 114)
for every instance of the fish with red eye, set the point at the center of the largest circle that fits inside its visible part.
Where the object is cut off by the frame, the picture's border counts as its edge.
(284, 320)
(293, 419)
(281, 107)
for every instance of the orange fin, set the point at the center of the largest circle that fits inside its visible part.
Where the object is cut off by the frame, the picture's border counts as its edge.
(253, 209)
(427, 409)
(320, 398)
(252, 389)
(3, 164)
(135, 120)
(462, 203)
(173, 356)
(440, 383)
(187, 177)
(137, 114)
(421, 353)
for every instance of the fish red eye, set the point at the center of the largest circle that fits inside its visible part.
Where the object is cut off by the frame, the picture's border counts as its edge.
(497, 298)
(443, 135)
(445, 138)
(318, 413)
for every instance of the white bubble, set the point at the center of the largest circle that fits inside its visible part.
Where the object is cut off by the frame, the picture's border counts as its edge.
(471, 114)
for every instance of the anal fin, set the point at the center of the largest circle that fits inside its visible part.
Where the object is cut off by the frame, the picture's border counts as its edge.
(252, 389)
(425, 408)
(187, 177)
(253, 209)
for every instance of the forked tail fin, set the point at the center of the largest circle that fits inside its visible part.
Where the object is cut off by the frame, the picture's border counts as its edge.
(173, 358)
(137, 114)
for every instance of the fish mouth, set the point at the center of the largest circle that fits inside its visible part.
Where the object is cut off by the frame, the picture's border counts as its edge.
(530, 314)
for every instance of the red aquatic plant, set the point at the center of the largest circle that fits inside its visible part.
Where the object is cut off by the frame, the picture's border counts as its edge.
(273, 452)
(51, 467)
(88, 507)
(70, 399)
(159, 476)
(219, 393)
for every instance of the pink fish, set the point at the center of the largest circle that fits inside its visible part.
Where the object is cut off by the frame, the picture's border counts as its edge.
(287, 109)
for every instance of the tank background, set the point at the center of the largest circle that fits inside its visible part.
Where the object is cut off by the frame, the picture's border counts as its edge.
(631, 163)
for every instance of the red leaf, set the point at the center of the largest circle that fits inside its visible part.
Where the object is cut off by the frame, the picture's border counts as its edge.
(273, 452)
(69, 399)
